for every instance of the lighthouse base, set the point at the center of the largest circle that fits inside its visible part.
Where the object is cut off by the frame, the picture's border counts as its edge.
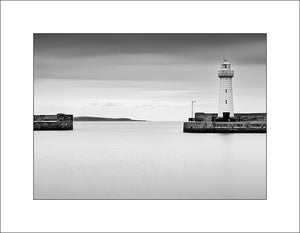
(225, 118)
(222, 119)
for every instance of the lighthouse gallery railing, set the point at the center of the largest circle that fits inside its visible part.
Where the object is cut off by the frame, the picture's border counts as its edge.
(224, 73)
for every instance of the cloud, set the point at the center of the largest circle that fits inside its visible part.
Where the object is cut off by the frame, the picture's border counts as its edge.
(100, 56)
(107, 104)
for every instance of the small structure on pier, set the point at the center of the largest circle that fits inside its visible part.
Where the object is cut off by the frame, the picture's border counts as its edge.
(59, 121)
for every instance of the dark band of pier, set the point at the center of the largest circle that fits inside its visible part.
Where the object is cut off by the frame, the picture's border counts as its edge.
(53, 122)
(241, 123)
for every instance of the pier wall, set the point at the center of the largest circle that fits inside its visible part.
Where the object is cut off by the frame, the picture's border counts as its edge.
(53, 122)
(243, 123)
(225, 127)
(207, 117)
(250, 116)
(240, 117)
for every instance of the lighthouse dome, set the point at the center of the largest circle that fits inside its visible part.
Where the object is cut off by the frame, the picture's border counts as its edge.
(226, 65)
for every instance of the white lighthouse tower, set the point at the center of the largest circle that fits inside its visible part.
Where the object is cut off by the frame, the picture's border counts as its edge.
(225, 109)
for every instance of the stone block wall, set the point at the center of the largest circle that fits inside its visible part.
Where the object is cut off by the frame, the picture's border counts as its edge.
(53, 122)
(240, 117)
(225, 127)
(44, 117)
(250, 116)
(201, 116)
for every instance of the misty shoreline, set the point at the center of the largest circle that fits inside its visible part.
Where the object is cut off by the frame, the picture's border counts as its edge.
(92, 118)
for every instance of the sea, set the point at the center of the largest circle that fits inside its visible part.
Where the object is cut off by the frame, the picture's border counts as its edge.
(147, 160)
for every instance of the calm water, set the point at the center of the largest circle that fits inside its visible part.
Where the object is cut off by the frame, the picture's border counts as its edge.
(147, 160)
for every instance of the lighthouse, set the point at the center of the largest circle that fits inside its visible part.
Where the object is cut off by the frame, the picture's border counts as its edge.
(225, 108)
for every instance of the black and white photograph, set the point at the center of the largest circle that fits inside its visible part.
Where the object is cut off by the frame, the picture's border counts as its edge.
(145, 116)
(149, 116)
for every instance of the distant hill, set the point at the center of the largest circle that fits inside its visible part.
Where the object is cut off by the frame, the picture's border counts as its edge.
(91, 118)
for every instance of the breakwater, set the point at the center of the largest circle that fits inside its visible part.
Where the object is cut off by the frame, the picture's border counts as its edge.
(242, 123)
(238, 117)
(59, 121)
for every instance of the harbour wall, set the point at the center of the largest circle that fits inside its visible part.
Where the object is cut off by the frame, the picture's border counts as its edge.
(225, 127)
(53, 122)
(240, 117)
(243, 123)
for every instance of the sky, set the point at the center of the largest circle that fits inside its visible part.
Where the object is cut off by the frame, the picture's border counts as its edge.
(146, 76)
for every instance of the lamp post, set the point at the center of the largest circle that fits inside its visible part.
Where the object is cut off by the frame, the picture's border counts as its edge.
(193, 108)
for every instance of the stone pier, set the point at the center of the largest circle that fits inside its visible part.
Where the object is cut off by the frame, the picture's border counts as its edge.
(243, 123)
(53, 122)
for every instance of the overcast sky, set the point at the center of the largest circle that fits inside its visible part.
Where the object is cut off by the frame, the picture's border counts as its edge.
(145, 76)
